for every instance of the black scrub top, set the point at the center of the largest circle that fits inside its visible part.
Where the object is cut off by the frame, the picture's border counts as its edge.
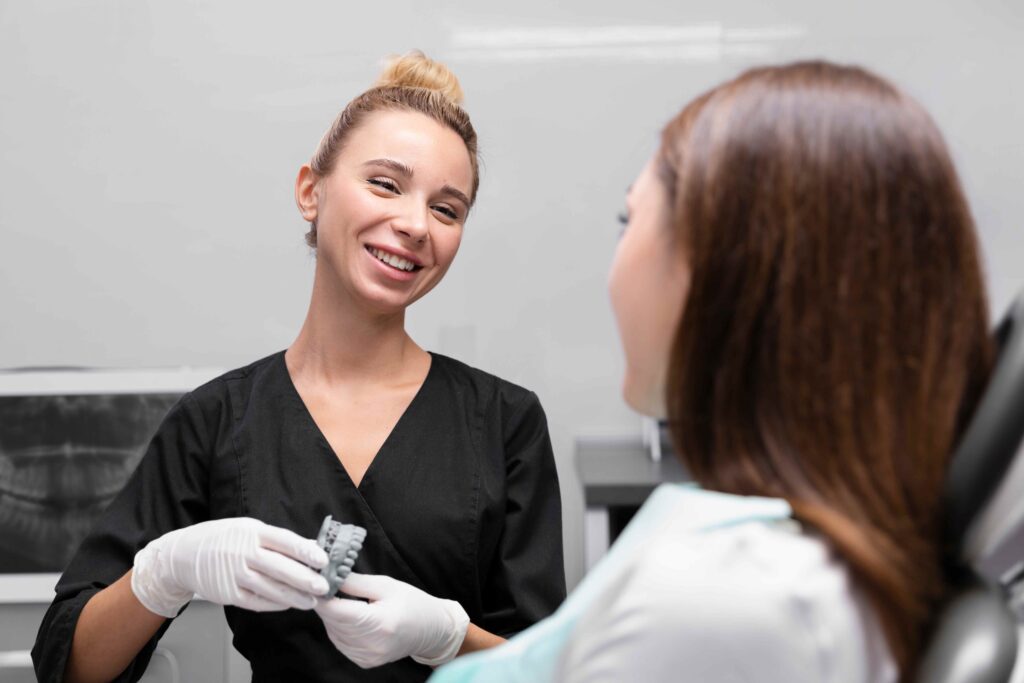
(461, 501)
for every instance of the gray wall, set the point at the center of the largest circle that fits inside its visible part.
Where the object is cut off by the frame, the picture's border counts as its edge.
(148, 149)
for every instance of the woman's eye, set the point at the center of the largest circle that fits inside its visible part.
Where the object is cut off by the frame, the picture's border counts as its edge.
(624, 220)
(384, 183)
(447, 211)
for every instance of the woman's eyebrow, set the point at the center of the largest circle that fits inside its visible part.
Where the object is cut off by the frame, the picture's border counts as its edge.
(407, 172)
(458, 194)
(396, 166)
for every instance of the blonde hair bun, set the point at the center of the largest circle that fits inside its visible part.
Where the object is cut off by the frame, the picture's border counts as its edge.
(416, 70)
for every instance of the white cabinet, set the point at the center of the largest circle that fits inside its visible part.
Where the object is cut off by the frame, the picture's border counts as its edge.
(197, 647)
(18, 626)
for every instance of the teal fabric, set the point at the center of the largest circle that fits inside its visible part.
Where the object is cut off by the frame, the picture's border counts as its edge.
(533, 655)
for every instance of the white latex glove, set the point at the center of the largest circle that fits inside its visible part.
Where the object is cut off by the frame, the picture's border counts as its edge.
(399, 621)
(238, 561)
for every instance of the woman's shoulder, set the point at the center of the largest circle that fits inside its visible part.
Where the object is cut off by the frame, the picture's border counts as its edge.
(217, 393)
(742, 600)
(264, 365)
(767, 562)
(771, 550)
(788, 581)
(485, 388)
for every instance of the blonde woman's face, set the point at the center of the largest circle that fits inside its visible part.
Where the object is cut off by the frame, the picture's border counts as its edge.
(390, 215)
(648, 284)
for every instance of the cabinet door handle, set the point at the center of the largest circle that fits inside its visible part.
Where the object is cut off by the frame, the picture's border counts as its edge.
(172, 663)
(22, 659)
(15, 659)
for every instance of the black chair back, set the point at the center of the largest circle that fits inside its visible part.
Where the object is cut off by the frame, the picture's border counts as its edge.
(994, 434)
(975, 639)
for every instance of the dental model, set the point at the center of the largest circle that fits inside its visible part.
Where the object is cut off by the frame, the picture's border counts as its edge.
(342, 543)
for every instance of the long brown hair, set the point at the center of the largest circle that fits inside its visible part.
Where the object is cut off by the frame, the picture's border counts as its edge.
(412, 82)
(835, 335)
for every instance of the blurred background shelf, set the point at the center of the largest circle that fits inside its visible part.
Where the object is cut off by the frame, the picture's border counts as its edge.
(617, 475)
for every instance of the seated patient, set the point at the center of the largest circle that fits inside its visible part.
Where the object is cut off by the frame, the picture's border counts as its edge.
(799, 293)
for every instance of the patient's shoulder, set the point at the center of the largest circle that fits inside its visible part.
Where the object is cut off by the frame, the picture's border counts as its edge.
(758, 601)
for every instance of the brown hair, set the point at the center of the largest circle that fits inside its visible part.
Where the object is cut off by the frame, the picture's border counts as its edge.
(835, 334)
(412, 82)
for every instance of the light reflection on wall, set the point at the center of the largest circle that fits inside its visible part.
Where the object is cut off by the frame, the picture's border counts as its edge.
(699, 42)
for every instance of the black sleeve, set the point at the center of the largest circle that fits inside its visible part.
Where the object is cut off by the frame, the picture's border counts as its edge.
(167, 491)
(527, 582)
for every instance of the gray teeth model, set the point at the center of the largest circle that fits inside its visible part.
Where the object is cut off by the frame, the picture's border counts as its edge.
(342, 543)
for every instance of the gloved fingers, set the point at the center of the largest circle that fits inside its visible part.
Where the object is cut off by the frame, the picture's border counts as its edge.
(343, 612)
(369, 661)
(288, 571)
(366, 655)
(363, 662)
(353, 643)
(368, 586)
(275, 591)
(289, 543)
(257, 603)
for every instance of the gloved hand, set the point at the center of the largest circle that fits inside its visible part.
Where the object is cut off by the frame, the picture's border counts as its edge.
(399, 621)
(239, 561)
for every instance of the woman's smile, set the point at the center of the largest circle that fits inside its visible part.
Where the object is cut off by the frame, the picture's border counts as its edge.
(400, 268)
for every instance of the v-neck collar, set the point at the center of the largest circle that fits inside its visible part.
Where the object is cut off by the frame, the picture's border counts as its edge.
(311, 423)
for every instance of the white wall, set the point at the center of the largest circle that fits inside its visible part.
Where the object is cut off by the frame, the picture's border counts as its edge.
(148, 149)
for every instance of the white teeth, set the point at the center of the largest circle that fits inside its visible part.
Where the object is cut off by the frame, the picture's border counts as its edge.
(392, 260)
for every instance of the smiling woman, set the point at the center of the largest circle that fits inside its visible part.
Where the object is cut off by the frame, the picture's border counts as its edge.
(448, 468)
(387, 220)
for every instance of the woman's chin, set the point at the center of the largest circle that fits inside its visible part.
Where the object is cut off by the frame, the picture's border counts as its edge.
(389, 300)
(384, 301)
(643, 400)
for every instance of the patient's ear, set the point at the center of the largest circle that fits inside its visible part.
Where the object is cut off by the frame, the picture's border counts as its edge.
(307, 192)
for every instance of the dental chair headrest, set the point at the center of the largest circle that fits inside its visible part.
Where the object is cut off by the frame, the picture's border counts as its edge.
(992, 439)
(975, 635)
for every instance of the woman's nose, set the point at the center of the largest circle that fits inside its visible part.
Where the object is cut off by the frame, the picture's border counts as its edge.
(412, 224)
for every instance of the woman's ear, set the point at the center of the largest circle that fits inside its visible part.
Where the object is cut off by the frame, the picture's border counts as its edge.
(307, 193)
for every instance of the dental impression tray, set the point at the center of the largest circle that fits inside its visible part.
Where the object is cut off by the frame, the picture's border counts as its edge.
(342, 543)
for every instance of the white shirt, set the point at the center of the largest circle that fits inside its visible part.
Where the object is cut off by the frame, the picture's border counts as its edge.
(760, 601)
